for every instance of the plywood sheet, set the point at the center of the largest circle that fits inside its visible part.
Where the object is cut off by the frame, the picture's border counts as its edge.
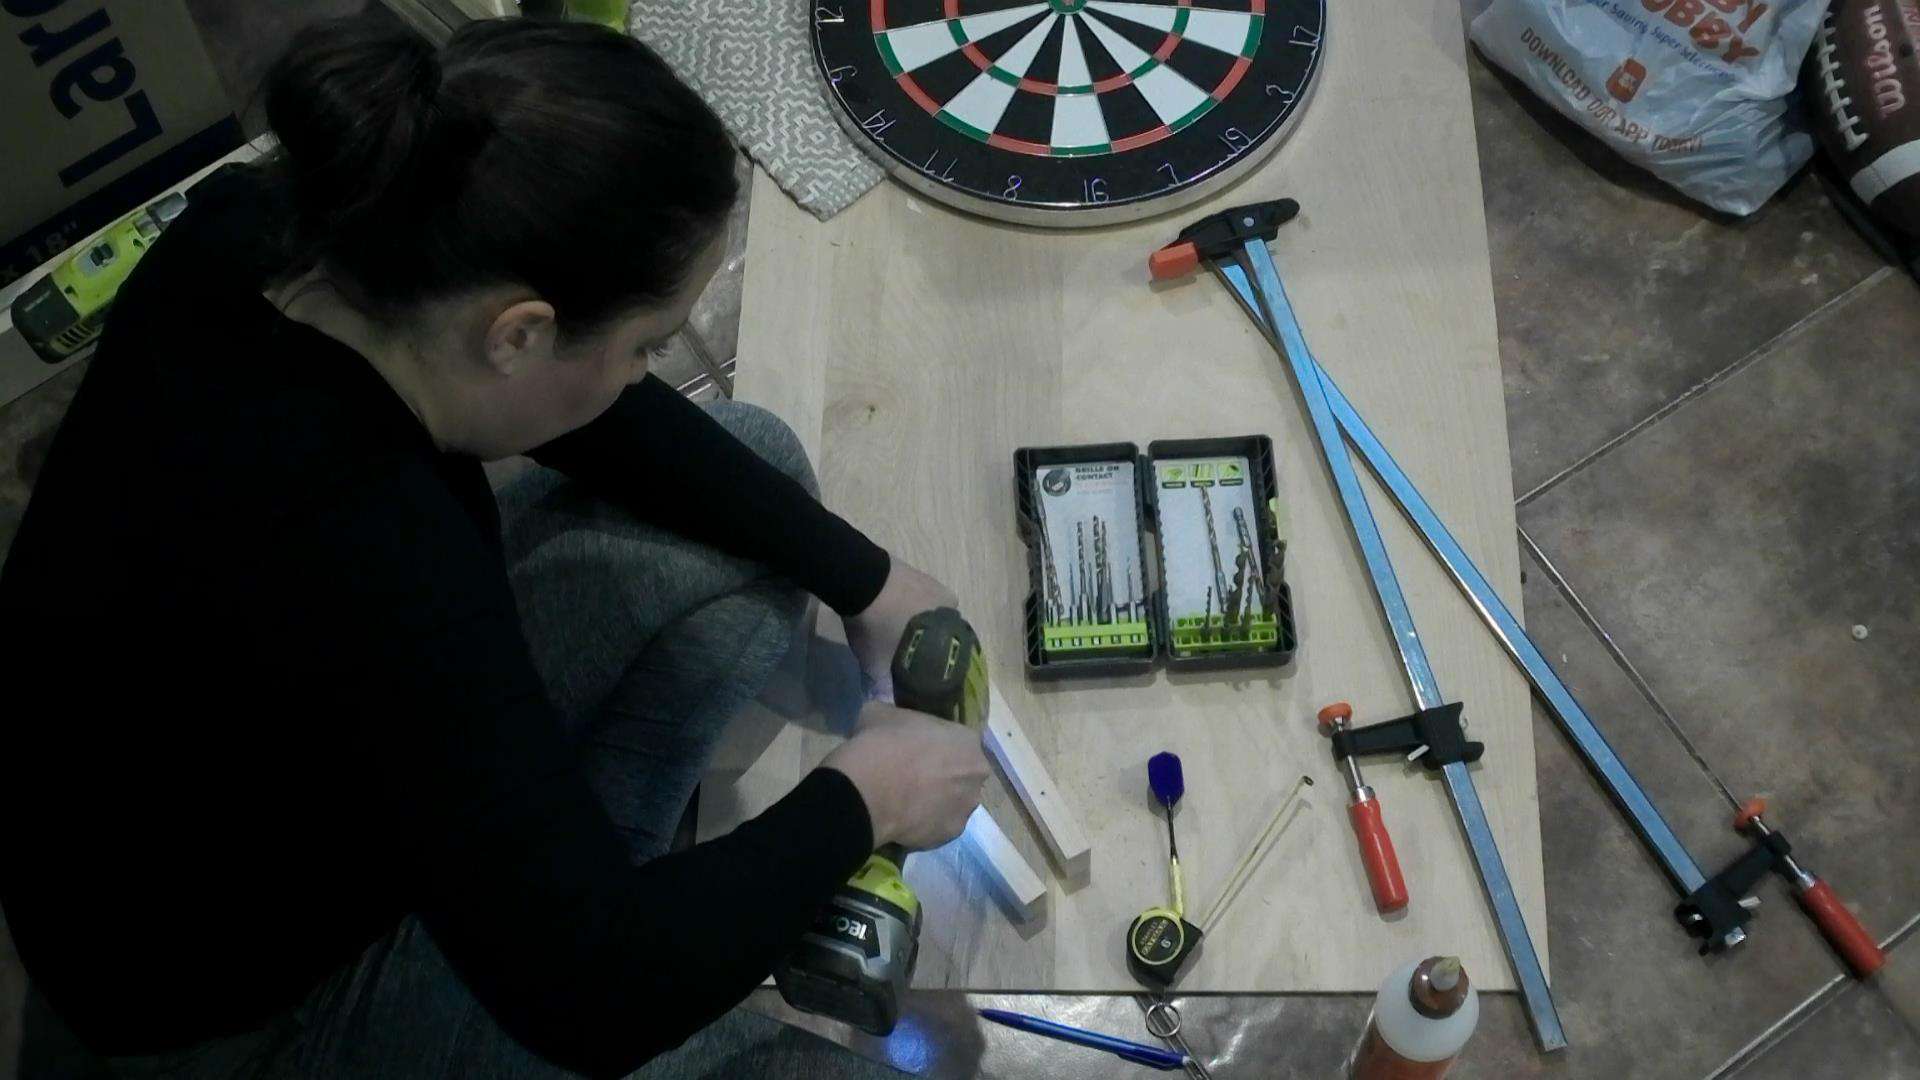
(915, 349)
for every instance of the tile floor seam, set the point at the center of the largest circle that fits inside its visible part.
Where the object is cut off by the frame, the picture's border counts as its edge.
(702, 353)
(1826, 994)
(702, 381)
(1709, 383)
(1619, 656)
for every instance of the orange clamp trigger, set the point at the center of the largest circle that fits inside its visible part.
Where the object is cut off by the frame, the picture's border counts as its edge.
(1176, 260)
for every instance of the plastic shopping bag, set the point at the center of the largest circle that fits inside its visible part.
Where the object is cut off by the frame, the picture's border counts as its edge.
(1694, 91)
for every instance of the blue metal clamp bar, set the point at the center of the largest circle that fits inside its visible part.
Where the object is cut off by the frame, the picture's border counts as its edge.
(1659, 837)
(1386, 584)
(1268, 301)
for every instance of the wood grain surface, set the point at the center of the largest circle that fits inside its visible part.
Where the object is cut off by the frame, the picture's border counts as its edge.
(914, 349)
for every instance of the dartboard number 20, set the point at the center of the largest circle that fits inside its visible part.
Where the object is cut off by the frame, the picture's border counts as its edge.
(1068, 112)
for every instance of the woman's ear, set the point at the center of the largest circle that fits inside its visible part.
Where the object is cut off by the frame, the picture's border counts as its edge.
(520, 337)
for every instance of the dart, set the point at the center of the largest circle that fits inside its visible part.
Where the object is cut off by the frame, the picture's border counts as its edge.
(1160, 939)
(1168, 784)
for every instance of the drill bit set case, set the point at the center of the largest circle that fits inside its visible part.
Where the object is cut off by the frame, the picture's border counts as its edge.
(1174, 557)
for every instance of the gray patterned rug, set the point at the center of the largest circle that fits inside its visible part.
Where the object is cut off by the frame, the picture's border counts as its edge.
(753, 62)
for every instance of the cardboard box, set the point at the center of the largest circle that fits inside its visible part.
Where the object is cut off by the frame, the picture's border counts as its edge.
(102, 103)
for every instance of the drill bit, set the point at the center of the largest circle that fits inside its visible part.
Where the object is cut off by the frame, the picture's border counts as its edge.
(1231, 611)
(1080, 560)
(1093, 573)
(1252, 559)
(1093, 576)
(1243, 570)
(1213, 544)
(1049, 571)
(1106, 572)
(1273, 567)
(1271, 579)
(1112, 596)
(1099, 580)
(1106, 568)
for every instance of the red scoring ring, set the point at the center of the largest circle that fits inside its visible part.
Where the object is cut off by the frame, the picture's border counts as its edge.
(1160, 53)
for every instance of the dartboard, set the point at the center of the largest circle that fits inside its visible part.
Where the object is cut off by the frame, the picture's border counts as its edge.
(1068, 112)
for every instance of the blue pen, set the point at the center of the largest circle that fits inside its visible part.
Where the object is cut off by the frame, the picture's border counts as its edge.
(1138, 1053)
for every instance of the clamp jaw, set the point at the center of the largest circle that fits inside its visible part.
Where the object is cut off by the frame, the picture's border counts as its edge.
(1435, 736)
(1219, 236)
(1716, 911)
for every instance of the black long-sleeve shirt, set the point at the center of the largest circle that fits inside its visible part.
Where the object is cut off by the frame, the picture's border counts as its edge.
(271, 694)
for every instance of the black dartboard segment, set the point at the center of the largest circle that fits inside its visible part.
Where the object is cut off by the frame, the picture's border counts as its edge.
(1068, 112)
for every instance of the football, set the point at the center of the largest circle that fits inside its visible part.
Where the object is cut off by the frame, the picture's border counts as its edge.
(1863, 89)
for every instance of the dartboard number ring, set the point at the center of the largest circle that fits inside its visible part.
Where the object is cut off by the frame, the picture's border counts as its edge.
(1068, 112)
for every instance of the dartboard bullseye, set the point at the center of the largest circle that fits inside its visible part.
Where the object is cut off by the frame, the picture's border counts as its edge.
(1068, 112)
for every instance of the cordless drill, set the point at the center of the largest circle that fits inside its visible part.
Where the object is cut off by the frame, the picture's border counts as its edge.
(854, 962)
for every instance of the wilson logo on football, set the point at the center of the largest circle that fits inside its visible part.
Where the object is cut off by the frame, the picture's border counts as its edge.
(1864, 72)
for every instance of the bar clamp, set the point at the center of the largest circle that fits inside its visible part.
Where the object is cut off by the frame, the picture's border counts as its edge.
(1433, 736)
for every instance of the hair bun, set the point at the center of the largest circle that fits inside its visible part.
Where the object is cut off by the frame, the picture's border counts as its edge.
(351, 102)
(559, 157)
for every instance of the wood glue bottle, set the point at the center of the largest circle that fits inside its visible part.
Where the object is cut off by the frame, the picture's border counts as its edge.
(1422, 1017)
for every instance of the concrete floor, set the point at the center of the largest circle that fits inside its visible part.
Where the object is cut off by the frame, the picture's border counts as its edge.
(1712, 425)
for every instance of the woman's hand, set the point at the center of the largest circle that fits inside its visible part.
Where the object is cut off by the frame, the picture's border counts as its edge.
(874, 634)
(920, 777)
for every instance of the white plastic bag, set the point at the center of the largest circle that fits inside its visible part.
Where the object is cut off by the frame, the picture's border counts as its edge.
(1694, 91)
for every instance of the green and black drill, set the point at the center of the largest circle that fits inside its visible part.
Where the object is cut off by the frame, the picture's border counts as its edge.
(854, 963)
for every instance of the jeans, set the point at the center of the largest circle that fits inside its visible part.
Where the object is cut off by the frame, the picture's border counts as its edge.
(647, 643)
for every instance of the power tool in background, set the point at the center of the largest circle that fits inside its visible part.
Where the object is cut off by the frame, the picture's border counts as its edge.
(611, 14)
(855, 961)
(63, 312)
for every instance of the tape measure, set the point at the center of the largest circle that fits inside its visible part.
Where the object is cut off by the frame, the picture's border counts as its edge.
(1159, 943)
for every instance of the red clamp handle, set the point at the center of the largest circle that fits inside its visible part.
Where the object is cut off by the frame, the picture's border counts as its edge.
(1376, 852)
(1843, 931)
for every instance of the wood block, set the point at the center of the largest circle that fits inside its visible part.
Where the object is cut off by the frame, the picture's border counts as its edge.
(1054, 818)
(1018, 886)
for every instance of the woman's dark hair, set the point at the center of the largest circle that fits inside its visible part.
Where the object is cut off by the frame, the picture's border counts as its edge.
(559, 156)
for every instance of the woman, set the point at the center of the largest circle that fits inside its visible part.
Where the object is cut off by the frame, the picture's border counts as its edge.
(337, 769)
